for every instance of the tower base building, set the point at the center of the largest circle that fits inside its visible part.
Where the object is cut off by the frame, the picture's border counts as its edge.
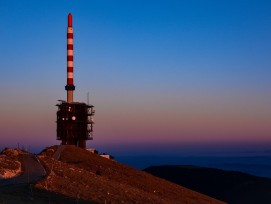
(74, 123)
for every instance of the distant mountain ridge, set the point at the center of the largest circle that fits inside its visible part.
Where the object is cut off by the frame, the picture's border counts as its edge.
(230, 186)
(254, 164)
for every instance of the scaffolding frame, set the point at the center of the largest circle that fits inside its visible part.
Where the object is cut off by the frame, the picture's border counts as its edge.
(75, 123)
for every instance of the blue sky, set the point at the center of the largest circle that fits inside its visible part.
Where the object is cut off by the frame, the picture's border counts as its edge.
(158, 72)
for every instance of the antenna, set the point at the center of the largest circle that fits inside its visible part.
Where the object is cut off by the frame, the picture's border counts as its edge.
(88, 98)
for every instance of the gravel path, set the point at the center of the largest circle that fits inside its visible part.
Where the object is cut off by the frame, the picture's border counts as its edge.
(58, 152)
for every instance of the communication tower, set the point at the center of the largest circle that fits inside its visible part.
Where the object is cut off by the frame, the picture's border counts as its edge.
(74, 119)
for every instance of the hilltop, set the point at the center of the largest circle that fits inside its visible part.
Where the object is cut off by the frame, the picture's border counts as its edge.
(85, 177)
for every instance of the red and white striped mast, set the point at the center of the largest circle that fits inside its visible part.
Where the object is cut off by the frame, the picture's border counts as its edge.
(70, 86)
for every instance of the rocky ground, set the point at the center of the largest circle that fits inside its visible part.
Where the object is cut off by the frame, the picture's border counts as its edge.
(75, 175)
(10, 163)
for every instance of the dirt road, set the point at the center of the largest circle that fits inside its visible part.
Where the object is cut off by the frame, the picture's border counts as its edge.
(32, 172)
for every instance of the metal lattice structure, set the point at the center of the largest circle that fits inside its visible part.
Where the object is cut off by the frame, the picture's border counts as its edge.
(74, 123)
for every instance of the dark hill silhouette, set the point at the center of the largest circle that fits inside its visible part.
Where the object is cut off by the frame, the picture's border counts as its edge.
(229, 186)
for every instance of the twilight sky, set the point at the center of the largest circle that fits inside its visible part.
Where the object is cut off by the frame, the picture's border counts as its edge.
(162, 74)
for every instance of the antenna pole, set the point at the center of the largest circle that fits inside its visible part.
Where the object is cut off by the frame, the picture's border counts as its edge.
(88, 98)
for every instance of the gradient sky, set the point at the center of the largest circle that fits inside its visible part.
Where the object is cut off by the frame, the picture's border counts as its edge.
(162, 74)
